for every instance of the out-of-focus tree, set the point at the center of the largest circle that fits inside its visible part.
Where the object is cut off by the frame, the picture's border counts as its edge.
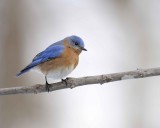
(120, 35)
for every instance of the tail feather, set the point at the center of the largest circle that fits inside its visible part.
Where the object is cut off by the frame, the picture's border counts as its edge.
(30, 66)
(23, 71)
(26, 69)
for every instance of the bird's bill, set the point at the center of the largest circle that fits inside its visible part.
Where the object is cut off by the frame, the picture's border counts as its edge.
(83, 49)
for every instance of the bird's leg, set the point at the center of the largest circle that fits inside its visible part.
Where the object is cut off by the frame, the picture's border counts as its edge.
(47, 84)
(64, 81)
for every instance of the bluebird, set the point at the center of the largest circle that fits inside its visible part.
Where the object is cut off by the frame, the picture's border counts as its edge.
(58, 60)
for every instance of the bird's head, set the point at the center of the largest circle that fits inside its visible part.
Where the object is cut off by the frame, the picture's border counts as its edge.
(76, 43)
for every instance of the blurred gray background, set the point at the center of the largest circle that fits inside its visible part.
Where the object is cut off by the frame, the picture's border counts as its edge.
(120, 35)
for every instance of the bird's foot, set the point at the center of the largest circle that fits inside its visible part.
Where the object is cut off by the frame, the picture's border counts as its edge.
(48, 86)
(68, 82)
(64, 81)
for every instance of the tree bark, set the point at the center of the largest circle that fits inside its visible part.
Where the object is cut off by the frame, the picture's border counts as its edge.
(88, 80)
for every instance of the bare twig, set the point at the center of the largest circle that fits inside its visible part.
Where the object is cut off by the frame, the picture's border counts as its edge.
(75, 82)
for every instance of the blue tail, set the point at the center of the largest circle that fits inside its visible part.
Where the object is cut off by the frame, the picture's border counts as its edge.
(22, 72)
(27, 68)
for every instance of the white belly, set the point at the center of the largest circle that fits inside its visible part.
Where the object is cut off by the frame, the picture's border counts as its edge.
(59, 73)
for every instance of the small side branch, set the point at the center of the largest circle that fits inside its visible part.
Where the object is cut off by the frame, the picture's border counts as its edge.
(88, 80)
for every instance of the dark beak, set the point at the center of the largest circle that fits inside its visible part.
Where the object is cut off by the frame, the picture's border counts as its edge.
(83, 49)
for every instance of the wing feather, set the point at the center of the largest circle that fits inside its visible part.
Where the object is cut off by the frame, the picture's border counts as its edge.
(52, 52)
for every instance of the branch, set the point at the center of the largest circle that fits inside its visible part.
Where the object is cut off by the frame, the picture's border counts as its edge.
(88, 80)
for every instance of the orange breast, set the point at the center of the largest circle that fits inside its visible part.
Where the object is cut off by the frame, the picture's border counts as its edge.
(68, 59)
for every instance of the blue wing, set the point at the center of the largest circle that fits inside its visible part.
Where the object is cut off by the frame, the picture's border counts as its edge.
(52, 52)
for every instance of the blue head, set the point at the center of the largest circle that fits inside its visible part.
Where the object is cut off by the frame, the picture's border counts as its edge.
(76, 43)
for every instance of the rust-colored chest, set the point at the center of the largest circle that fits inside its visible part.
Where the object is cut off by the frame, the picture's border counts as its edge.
(68, 59)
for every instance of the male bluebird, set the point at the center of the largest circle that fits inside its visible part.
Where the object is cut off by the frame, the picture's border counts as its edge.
(58, 60)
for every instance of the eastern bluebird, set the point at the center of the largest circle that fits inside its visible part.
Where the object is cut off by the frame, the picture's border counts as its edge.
(58, 60)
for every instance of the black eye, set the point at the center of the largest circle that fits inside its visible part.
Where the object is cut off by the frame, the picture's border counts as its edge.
(75, 43)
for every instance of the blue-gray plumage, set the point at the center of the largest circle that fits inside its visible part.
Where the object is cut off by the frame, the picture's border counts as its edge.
(58, 60)
(54, 51)
(50, 53)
